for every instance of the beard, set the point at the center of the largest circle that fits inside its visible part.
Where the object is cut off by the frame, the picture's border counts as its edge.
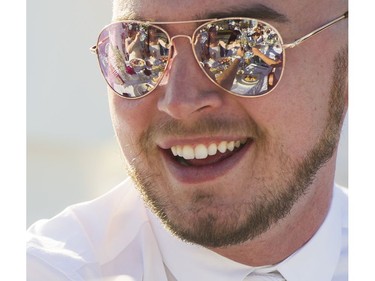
(203, 218)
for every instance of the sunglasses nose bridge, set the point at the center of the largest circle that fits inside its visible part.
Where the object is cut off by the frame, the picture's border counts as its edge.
(182, 36)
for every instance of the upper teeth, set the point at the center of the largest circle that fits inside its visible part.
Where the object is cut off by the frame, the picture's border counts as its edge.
(202, 151)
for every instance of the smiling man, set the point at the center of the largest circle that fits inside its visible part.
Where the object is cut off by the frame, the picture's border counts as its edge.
(231, 182)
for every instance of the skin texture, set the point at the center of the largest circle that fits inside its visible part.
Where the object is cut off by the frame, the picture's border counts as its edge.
(277, 192)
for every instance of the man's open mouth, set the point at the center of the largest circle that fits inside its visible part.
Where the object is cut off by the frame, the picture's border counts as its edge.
(195, 163)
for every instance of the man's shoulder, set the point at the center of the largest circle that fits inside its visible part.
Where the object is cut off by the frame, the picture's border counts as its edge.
(87, 233)
(94, 214)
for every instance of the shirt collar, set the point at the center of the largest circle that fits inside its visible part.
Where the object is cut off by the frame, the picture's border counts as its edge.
(316, 260)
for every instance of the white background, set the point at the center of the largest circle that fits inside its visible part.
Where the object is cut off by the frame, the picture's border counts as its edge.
(72, 154)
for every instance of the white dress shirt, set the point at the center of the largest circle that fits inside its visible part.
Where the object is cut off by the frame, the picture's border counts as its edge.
(116, 238)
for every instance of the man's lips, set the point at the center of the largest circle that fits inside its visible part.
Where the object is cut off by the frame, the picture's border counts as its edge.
(202, 162)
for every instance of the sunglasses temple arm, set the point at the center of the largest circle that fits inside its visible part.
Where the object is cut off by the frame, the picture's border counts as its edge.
(316, 31)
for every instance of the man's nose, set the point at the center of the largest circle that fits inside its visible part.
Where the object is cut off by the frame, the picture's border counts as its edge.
(186, 89)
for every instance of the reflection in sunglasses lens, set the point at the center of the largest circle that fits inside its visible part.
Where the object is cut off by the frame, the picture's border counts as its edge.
(243, 56)
(133, 57)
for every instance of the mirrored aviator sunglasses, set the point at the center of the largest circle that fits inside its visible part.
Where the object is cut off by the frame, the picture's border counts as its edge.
(243, 56)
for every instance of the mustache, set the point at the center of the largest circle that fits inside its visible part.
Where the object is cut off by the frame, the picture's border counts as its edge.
(208, 126)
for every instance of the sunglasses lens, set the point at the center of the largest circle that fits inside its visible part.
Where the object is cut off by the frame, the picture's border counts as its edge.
(243, 56)
(132, 57)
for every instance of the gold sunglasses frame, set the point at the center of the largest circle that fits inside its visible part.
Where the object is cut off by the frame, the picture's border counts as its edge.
(94, 49)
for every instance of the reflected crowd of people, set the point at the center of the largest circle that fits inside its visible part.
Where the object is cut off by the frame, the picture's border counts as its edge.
(242, 56)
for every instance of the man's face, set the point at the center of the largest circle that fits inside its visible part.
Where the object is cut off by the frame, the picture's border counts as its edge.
(275, 149)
